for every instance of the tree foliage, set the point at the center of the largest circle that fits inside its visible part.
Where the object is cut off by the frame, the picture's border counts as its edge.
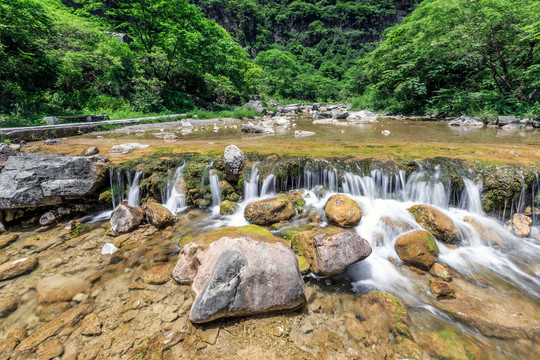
(459, 56)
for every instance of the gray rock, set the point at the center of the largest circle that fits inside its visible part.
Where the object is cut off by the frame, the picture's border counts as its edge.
(505, 120)
(5, 153)
(47, 219)
(340, 114)
(91, 151)
(126, 218)
(254, 105)
(302, 133)
(331, 253)
(238, 276)
(220, 289)
(316, 107)
(466, 121)
(127, 148)
(257, 129)
(234, 159)
(32, 180)
(2, 227)
(274, 103)
(322, 115)
(52, 142)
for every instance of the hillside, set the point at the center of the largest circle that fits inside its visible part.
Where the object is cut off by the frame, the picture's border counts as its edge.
(312, 44)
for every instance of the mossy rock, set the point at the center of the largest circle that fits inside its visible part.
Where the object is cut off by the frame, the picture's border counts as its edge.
(436, 222)
(227, 207)
(105, 197)
(303, 264)
(193, 174)
(417, 248)
(269, 211)
(255, 232)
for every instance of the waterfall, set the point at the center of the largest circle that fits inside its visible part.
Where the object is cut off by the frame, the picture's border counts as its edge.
(251, 186)
(425, 188)
(268, 185)
(215, 189)
(471, 196)
(175, 200)
(134, 191)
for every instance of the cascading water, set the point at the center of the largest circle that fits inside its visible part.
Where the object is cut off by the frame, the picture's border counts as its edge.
(134, 190)
(268, 186)
(215, 189)
(471, 196)
(251, 187)
(175, 199)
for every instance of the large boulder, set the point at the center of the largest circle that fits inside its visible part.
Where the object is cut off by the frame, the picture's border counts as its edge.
(233, 158)
(520, 225)
(15, 268)
(467, 121)
(238, 272)
(269, 211)
(126, 218)
(254, 105)
(436, 222)
(157, 215)
(417, 248)
(343, 211)
(330, 250)
(32, 180)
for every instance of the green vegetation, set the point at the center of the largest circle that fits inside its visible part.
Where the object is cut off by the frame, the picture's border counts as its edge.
(459, 56)
(56, 60)
(133, 58)
(305, 47)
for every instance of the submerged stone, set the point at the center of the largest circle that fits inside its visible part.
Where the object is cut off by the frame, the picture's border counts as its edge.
(13, 269)
(228, 207)
(441, 289)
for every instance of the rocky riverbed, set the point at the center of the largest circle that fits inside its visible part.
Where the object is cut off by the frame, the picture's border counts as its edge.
(238, 254)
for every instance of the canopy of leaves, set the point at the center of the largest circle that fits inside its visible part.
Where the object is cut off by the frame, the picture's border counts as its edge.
(456, 56)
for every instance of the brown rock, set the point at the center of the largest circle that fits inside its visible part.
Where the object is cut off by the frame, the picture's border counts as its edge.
(520, 225)
(158, 275)
(239, 272)
(48, 312)
(5, 240)
(91, 325)
(417, 248)
(59, 289)
(126, 218)
(441, 272)
(7, 306)
(329, 252)
(485, 232)
(441, 289)
(13, 339)
(210, 336)
(270, 211)
(157, 215)
(343, 211)
(50, 350)
(69, 318)
(436, 222)
(15, 268)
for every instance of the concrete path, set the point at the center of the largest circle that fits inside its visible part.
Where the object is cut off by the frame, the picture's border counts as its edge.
(30, 133)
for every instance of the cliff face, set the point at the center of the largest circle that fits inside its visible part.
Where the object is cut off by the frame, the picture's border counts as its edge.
(258, 24)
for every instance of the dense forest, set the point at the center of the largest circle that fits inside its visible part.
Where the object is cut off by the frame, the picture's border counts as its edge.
(148, 56)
